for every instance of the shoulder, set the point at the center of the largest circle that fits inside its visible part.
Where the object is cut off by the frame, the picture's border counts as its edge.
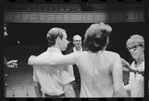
(42, 54)
(48, 54)
(111, 54)
(83, 48)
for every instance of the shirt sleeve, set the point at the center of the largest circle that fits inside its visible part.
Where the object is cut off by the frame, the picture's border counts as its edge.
(34, 74)
(70, 70)
(66, 77)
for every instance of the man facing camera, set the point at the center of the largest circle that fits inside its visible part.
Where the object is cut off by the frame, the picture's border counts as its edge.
(77, 42)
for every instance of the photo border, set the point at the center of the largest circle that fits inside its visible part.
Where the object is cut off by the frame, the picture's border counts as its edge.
(146, 9)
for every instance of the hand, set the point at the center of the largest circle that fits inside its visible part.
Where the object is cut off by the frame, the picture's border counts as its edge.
(126, 66)
(12, 64)
(125, 63)
(31, 59)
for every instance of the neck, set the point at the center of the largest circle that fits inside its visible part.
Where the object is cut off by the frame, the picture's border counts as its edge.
(55, 46)
(140, 59)
(78, 48)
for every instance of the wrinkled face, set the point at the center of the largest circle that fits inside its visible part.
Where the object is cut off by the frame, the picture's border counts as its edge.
(136, 51)
(64, 42)
(77, 41)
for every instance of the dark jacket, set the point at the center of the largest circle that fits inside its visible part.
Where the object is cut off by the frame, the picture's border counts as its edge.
(75, 68)
(5, 74)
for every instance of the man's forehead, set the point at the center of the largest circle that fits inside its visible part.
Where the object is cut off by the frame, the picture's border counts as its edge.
(77, 37)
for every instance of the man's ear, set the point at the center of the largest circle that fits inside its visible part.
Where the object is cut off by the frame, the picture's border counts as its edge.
(58, 40)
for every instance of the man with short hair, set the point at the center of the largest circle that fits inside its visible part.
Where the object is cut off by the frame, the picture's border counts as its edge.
(77, 42)
(55, 81)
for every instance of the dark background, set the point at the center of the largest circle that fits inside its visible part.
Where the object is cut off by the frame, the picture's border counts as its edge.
(35, 34)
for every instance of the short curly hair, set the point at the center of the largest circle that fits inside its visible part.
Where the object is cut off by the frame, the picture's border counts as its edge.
(96, 37)
(53, 34)
(135, 40)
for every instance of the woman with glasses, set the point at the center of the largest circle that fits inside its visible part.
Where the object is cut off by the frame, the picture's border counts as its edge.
(135, 45)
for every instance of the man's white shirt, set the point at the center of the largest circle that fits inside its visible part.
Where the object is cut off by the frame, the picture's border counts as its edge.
(52, 78)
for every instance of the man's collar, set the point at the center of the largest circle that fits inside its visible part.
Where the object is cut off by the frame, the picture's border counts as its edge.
(54, 49)
(75, 50)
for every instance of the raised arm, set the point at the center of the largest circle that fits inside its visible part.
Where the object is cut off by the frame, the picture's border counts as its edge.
(128, 68)
(54, 60)
(118, 78)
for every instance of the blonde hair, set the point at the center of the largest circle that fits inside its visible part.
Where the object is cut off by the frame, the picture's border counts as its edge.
(135, 40)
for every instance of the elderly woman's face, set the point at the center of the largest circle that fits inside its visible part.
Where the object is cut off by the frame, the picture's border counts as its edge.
(136, 51)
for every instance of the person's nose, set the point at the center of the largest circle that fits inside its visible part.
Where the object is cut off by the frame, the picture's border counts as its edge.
(78, 41)
(131, 50)
(68, 42)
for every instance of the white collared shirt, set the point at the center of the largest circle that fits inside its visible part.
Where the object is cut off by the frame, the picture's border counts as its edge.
(52, 78)
(75, 50)
(136, 81)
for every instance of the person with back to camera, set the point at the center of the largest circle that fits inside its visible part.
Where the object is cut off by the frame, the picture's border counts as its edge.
(55, 82)
(100, 70)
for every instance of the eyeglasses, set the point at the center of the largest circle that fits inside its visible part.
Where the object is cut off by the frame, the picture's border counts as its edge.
(77, 40)
(133, 47)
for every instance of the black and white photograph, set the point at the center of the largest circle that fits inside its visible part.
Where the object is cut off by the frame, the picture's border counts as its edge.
(74, 50)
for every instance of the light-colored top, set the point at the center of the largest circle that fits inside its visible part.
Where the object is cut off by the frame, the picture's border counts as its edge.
(136, 82)
(101, 72)
(75, 50)
(35, 79)
(70, 69)
(52, 78)
(96, 73)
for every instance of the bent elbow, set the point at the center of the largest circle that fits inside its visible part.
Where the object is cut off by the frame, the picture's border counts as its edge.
(29, 62)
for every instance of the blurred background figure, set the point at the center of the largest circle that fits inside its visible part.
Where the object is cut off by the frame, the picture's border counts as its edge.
(77, 42)
(7, 64)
